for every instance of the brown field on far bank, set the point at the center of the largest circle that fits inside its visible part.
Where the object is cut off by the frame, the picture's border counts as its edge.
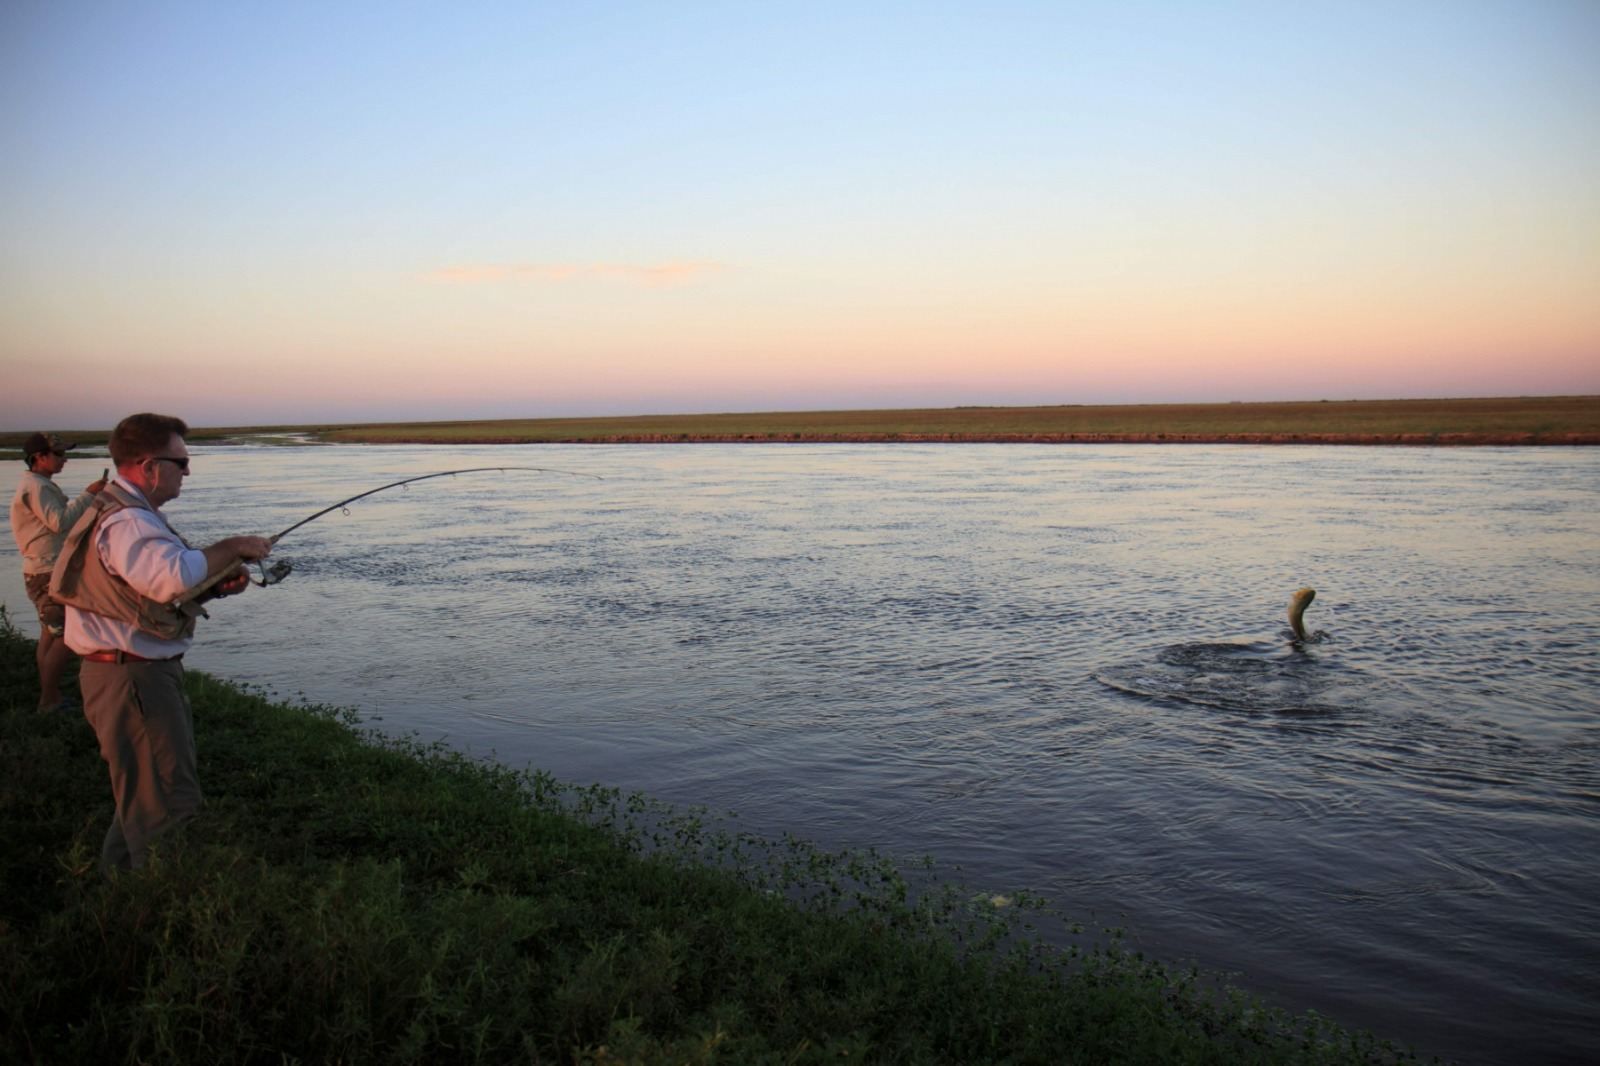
(1516, 420)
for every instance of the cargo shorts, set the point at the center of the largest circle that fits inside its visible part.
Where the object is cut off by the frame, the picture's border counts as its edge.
(52, 615)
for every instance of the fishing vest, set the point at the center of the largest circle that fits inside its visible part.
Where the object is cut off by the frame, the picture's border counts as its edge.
(80, 578)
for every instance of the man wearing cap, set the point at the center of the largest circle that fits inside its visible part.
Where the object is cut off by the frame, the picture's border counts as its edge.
(40, 519)
(120, 575)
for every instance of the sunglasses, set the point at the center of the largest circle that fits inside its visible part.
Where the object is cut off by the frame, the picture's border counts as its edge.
(181, 464)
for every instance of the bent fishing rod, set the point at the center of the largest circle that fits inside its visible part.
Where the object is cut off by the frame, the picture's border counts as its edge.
(280, 570)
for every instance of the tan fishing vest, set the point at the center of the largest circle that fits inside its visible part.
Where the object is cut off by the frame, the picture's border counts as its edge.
(80, 578)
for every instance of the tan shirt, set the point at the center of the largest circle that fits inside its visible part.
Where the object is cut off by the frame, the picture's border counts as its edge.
(40, 519)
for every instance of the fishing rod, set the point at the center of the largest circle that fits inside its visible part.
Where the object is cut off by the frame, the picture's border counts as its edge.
(421, 477)
(280, 569)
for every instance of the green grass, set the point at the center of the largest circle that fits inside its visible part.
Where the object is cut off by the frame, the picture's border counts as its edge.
(349, 898)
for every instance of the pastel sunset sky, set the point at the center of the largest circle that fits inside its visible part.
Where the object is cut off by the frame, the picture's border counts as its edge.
(346, 211)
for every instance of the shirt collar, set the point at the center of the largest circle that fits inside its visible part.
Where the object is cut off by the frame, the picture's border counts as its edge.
(131, 487)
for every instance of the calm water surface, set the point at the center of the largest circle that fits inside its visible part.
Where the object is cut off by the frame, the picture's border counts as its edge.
(1061, 668)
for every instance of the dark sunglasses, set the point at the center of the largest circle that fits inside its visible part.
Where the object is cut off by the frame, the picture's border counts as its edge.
(181, 464)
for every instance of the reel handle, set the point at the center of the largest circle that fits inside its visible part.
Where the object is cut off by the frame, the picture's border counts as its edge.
(194, 595)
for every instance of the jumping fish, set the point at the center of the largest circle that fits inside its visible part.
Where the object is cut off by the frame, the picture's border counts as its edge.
(1297, 608)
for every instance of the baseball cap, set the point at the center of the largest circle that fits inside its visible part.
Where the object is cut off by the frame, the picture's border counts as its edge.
(42, 442)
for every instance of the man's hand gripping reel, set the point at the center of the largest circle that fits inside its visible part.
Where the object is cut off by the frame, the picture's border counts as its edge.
(189, 603)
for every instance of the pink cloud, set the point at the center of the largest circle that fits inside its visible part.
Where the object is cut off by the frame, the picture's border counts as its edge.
(672, 272)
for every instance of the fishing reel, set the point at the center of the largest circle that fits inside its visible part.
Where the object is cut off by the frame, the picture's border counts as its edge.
(271, 575)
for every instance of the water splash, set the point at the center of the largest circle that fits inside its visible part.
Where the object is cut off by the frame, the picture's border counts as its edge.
(1257, 677)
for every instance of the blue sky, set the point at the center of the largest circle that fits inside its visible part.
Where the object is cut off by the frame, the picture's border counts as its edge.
(372, 211)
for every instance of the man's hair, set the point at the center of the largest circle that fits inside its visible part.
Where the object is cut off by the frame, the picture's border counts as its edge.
(141, 436)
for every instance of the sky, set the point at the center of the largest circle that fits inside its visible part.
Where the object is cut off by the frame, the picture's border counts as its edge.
(284, 213)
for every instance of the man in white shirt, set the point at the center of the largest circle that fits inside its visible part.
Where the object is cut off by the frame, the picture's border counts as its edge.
(40, 518)
(119, 573)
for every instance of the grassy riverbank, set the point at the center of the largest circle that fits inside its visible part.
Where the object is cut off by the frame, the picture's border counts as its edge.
(1505, 421)
(353, 899)
(1513, 420)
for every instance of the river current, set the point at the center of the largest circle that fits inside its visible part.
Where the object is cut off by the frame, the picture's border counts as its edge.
(1060, 668)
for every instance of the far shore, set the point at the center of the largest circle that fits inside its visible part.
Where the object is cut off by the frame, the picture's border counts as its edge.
(1506, 421)
(1371, 439)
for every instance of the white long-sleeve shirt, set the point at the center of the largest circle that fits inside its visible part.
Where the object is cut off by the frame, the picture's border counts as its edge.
(136, 545)
(41, 517)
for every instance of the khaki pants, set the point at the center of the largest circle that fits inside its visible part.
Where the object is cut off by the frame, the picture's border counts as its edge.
(141, 715)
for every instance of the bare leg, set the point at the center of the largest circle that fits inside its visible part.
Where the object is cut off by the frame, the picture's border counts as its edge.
(52, 655)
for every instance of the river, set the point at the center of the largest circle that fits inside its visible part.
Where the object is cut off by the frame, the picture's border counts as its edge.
(1061, 668)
